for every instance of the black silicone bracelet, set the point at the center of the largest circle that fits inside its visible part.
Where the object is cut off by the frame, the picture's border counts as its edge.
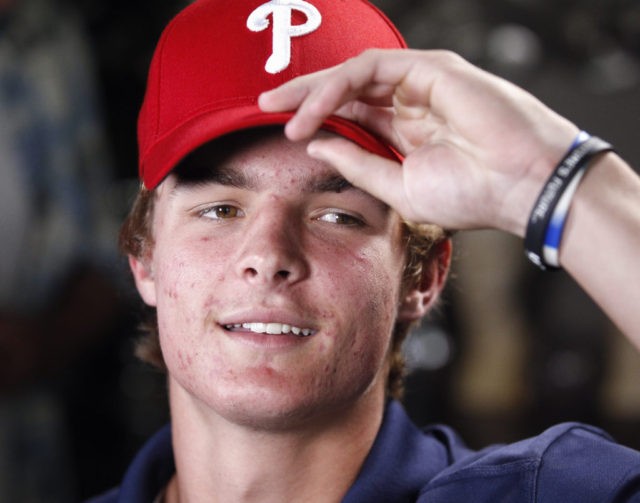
(557, 183)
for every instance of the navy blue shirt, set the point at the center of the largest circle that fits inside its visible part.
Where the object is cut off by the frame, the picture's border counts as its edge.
(567, 463)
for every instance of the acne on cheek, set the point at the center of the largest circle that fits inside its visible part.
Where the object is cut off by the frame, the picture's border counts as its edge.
(184, 360)
(171, 292)
(330, 369)
(210, 306)
(173, 356)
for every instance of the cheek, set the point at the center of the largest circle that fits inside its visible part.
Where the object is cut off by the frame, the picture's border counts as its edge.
(186, 269)
(364, 289)
(373, 277)
(184, 304)
(184, 298)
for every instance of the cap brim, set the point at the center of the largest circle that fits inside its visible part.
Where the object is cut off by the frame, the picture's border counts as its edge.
(169, 150)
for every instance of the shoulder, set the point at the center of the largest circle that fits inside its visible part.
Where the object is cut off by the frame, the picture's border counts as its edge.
(568, 462)
(585, 460)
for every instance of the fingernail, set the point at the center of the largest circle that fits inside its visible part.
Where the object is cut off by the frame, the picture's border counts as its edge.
(261, 98)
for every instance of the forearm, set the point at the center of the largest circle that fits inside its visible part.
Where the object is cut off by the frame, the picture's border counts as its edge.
(601, 242)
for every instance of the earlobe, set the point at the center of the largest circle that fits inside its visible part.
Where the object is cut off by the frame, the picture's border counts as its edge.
(144, 279)
(418, 301)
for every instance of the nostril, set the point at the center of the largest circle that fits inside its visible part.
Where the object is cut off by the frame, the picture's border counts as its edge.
(283, 274)
(251, 272)
(271, 264)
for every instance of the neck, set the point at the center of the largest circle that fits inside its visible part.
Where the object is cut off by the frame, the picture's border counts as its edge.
(217, 460)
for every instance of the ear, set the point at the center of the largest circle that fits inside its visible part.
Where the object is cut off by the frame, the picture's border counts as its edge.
(144, 278)
(418, 301)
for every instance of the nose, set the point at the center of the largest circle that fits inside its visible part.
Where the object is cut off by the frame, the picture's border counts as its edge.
(272, 250)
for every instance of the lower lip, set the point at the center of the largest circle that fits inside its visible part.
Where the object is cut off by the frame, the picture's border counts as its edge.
(267, 341)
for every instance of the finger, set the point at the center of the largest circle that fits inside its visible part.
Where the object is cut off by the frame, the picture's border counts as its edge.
(370, 77)
(304, 95)
(327, 94)
(372, 113)
(289, 95)
(375, 120)
(380, 177)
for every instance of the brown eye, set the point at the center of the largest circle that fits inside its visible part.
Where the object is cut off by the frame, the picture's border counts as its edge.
(222, 212)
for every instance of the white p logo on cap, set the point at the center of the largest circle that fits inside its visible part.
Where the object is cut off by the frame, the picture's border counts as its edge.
(283, 31)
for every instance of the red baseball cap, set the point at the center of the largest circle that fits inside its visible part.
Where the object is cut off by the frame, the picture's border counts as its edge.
(216, 57)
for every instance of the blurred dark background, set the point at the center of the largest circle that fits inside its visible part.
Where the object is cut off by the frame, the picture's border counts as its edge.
(510, 351)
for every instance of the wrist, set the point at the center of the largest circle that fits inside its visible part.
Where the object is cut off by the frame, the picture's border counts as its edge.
(539, 154)
(550, 211)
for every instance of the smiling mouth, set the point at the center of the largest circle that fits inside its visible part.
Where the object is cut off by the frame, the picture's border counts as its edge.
(270, 328)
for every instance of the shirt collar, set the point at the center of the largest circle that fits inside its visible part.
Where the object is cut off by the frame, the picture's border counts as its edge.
(401, 462)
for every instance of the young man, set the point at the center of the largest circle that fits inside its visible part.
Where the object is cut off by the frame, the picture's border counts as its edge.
(284, 275)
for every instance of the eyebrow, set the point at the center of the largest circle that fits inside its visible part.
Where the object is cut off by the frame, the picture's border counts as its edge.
(318, 184)
(331, 183)
(230, 177)
(198, 176)
(337, 183)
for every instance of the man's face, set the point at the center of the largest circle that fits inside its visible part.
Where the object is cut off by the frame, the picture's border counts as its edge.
(276, 285)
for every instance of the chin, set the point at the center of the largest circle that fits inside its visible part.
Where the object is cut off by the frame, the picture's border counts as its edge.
(279, 410)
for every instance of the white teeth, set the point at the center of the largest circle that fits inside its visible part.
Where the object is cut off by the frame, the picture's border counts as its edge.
(259, 328)
(271, 328)
(274, 328)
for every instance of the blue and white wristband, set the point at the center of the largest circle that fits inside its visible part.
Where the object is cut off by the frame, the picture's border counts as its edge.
(549, 214)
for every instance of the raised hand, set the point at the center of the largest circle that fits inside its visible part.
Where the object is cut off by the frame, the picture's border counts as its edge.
(477, 148)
